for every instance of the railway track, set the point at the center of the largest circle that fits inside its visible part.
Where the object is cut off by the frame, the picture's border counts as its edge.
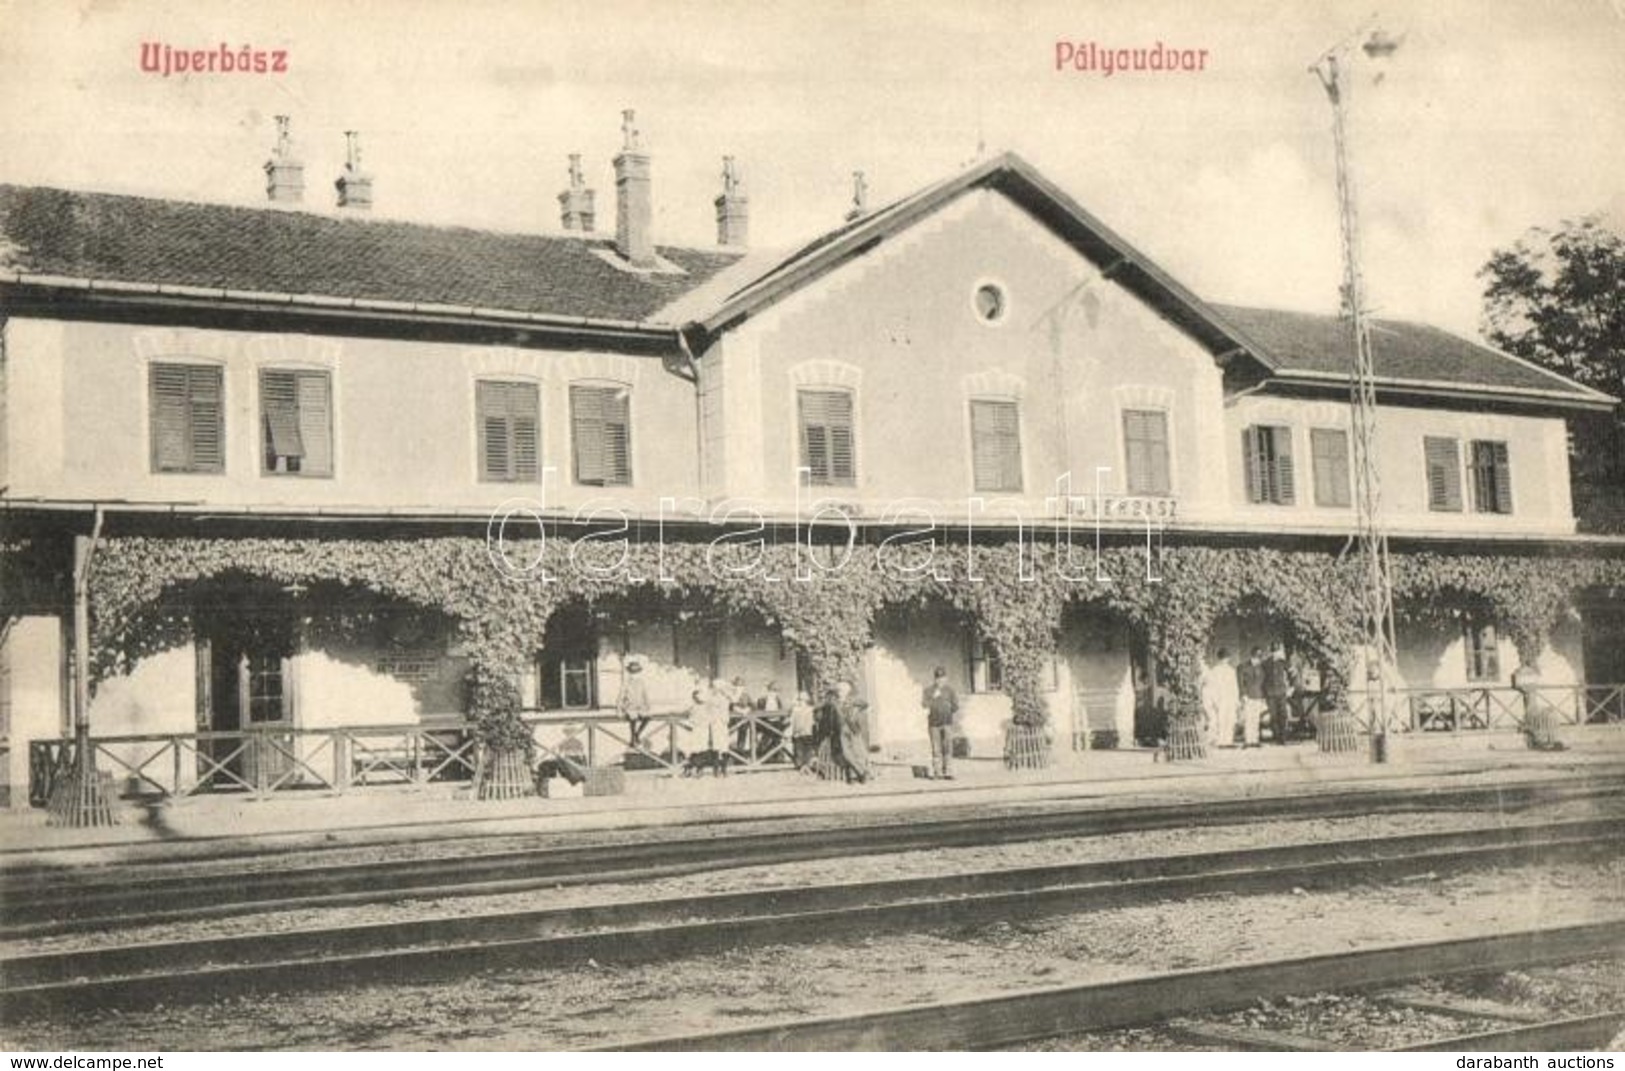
(448, 945)
(1012, 1020)
(38, 901)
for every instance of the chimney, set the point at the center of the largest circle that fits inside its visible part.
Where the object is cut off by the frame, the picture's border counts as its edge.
(633, 208)
(860, 198)
(354, 185)
(284, 173)
(733, 208)
(575, 203)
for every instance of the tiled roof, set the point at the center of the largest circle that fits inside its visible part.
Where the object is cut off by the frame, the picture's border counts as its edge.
(144, 240)
(1301, 342)
(115, 238)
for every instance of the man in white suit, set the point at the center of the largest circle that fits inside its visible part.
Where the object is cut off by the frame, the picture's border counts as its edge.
(1220, 698)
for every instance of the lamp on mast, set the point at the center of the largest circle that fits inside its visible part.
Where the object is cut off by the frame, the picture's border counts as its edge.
(1376, 594)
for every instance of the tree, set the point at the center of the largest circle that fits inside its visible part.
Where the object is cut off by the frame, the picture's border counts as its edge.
(1557, 298)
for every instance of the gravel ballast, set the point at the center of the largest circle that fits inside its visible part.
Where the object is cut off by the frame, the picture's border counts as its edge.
(554, 1006)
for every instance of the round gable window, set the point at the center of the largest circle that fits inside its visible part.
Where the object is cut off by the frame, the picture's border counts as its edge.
(990, 303)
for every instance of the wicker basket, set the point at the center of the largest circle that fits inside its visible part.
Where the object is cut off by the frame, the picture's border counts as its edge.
(1026, 747)
(1540, 726)
(1185, 738)
(605, 781)
(503, 775)
(1337, 731)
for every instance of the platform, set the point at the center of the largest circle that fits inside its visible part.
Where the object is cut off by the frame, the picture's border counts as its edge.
(218, 825)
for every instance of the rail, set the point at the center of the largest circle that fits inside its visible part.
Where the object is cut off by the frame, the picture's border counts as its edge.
(174, 971)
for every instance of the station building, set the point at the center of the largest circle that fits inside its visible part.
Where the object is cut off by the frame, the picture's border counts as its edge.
(985, 352)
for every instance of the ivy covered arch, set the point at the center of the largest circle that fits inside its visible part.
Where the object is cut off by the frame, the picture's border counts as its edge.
(140, 589)
(1313, 593)
(1014, 594)
(1525, 595)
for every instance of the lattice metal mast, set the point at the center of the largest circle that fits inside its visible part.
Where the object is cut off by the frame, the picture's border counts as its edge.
(1376, 570)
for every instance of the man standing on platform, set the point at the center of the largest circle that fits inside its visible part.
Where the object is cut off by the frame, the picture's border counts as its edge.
(1250, 679)
(634, 701)
(942, 710)
(1277, 690)
(1220, 697)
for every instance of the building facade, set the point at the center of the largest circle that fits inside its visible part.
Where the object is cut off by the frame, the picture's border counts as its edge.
(225, 397)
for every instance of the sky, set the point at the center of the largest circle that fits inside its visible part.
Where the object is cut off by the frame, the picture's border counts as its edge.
(1492, 117)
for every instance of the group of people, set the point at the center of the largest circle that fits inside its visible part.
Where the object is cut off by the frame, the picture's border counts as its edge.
(1240, 695)
(829, 740)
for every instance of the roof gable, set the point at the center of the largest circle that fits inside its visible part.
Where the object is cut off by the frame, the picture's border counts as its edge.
(752, 285)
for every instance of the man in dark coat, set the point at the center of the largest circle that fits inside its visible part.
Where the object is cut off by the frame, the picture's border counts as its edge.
(942, 710)
(843, 737)
(1277, 683)
(1250, 682)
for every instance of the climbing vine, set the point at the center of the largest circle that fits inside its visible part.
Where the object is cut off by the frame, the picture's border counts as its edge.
(1015, 596)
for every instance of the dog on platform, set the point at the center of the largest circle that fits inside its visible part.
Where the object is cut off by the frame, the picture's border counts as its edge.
(712, 759)
(573, 772)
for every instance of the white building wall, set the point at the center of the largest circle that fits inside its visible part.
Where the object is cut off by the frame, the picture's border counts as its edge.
(758, 654)
(35, 648)
(403, 419)
(1097, 681)
(1537, 449)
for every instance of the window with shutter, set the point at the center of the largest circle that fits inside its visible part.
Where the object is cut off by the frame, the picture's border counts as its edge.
(569, 680)
(1491, 477)
(995, 431)
(601, 435)
(187, 408)
(1286, 492)
(1330, 447)
(1267, 453)
(508, 416)
(986, 672)
(1252, 463)
(1145, 451)
(828, 445)
(1443, 459)
(296, 420)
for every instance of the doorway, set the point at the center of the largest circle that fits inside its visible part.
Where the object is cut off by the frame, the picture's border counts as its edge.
(247, 695)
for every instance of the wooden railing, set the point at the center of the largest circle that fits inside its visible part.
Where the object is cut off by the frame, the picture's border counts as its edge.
(759, 740)
(264, 762)
(1484, 708)
(261, 762)
(604, 739)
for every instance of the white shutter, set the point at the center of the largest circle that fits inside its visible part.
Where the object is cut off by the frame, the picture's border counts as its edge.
(602, 433)
(1285, 487)
(829, 446)
(507, 414)
(1145, 451)
(995, 445)
(1443, 461)
(188, 417)
(316, 422)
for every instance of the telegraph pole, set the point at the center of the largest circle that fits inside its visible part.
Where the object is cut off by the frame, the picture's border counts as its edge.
(1376, 568)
